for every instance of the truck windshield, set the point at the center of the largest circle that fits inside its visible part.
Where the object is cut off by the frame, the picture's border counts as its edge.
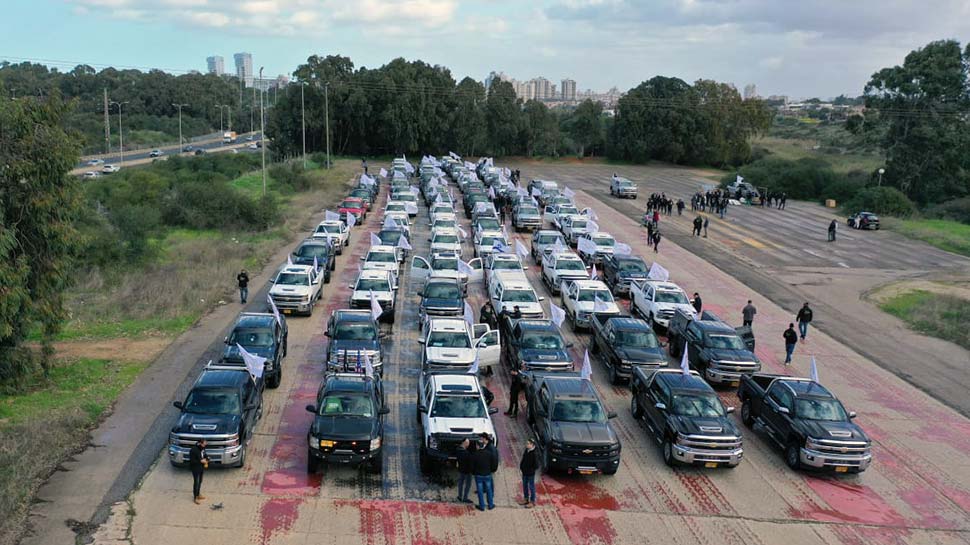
(578, 410)
(251, 337)
(292, 279)
(376, 284)
(605, 242)
(636, 339)
(528, 211)
(212, 402)
(674, 297)
(442, 291)
(445, 239)
(438, 224)
(396, 207)
(488, 224)
(313, 250)
(542, 341)
(335, 229)
(570, 265)
(449, 406)
(391, 238)
(697, 405)
(449, 339)
(381, 257)
(726, 342)
(359, 331)
(351, 204)
(490, 241)
(568, 210)
(820, 409)
(506, 265)
(445, 265)
(519, 296)
(633, 266)
(547, 239)
(577, 224)
(588, 296)
(347, 405)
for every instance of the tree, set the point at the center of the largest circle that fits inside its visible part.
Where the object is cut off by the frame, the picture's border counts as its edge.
(925, 103)
(586, 128)
(468, 130)
(503, 115)
(39, 202)
(540, 130)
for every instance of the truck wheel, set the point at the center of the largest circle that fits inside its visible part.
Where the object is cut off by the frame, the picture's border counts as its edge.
(614, 378)
(376, 464)
(242, 456)
(746, 413)
(425, 462)
(326, 277)
(668, 453)
(274, 381)
(312, 464)
(650, 320)
(635, 407)
(793, 455)
(611, 471)
(594, 348)
(390, 319)
(672, 346)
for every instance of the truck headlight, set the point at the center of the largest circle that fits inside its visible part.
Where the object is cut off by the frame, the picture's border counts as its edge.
(306, 298)
(681, 439)
(812, 443)
(375, 443)
(234, 442)
(432, 443)
(312, 442)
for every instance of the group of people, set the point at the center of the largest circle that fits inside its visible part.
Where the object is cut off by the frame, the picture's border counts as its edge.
(659, 202)
(776, 200)
(700, 223)
(715, 201)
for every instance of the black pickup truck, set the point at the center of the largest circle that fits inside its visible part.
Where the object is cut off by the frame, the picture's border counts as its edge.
(352, 334)
(222, 407)
(348, 422)
(534, 345)
(685, 416)
(806, 420)
(623, 343)
(572, 427)
(261, 334)
(713, 347)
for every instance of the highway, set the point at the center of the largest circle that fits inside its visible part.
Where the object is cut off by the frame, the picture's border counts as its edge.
(141, 155)
(917, 491)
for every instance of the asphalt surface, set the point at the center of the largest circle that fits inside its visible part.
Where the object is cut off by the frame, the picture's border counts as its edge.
(134, 155)
(917, 491)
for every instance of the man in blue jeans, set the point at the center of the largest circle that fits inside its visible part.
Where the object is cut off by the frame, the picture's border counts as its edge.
(465, 453)
(790, 339)
(484, 463)
(243, 279)
(804, 317)
(529, 465)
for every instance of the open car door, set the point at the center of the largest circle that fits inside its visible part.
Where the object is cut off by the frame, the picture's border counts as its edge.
(489, 347)
(478, 272)
(420, 269)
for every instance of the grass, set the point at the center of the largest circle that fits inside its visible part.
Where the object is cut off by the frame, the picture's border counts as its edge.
(934, 314)
(79, 330)
(948, 235)
(46, 418)
(794, 149)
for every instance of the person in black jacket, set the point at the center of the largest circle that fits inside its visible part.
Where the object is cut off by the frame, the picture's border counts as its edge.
(514, 389)
(198, 462)
(804, 317)
(465, 453)
(484, 463)
(697, 303)
(243, 280)
(790, 339)
(529, 465)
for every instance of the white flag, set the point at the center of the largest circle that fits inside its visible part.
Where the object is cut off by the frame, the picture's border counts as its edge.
(599, 305)
(276, 311)
(389, 223)
(289, 261)
(657, 272)
(813, 370)
(316, 266)
(351, 220)
(536, 192)
(469, 315)
(411, 208)
(568, 192)
(375, 240)
(465, 268)
(414, 190)
(520, 249)
(590, 213)
(586, 371)
(622, 249)
(558, 247)
(383, 173)
(473, 370)
(506, 171)
(367, 180)
(331, 216)
(685, 363)
(491, 193)
(592, 227)
(593, 273)
(586, 246)
(740, 179)
(462, 232)
(558, 314)
(375, 307)
(403, 243)
(368, 365)
(254, 363)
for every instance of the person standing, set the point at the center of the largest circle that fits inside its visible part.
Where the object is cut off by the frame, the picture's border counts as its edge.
(514, 389)
(707, 221)
(832, 228)
(791, 338)
(528, 466)
(243, 280)
(656, 240)
(747, 314)
(484, 463)
(465, 452)
(698, 223)
(804, 317)
(697, 303)
(198, 463)
(649, 231)
(363, 164)
(680, 207)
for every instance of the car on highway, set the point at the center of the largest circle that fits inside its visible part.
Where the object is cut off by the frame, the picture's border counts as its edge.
(534, 345)
(583, 298)
(714, 348)
(561, 266)
(91, 174)
(296, 289)
(188, 148)
(657, 301)
(620, 272)
(110, 169)
(686, 418)
(200, 151)
(441, 297)
(624, 343)
(353, 334)
(453, 343)
(95, 162)
(260, 334)
(156, 153)
(806, 420)
(381, 258)
(365, 195)
(622, 188)
(348, 422)
(571, 426)
(222, 407)
(336, 231)
(317, 251)
(864, 220)
(545, 241)
(451, 408)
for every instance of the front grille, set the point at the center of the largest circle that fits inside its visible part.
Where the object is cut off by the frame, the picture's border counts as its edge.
(287, 299)
(665, 313)
(737, 366)
(589, 451)
(712, 443)
(188, 440)
(841, 448)
(443, 311)
(347, 447)
(348, 359)
(448, 443)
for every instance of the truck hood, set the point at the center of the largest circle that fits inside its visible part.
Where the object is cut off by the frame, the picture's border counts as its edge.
(379, 295)
(562, 275)
(836, 431)
(380, 266)
(350, 428)
(289, 290)
(642, 355)
(353, 346)
(441, 303)
(461, 425)
(723, 354)
(629, 275)
(528, 309)
(533, 355)
(583, 433)
(715, 427)
(587, 306)
(689, 310)
(456, 356)
(231, 353)
(207, 424)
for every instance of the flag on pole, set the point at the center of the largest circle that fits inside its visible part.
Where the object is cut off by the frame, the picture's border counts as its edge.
(383, 172)
(520, 249)
(813, 370)
(289, 260)
(465, 268)
(684, 363)
(368, 366)
(592, 227)
(276, 311)
(568, 192)
(316, 266)
(389, 222)
(375, 240)
(558, 247)
(740, 178)
(351, 219)
(593, 273)
(600, 305)
(622, 249)
(359, 366)
(590, 213)
(403, 243)
(586, 371)
(331, 216)
(375, 307)
(657, 272)
(254, 363)
(558, 314)
(462, 232)
(469, 315)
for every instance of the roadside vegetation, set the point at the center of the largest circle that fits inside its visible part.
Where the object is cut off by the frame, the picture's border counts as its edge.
(948, 235)
(935, 314)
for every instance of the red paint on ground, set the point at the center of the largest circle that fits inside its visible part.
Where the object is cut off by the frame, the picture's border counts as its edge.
(277, 516)
(849, 502)
(582, 509)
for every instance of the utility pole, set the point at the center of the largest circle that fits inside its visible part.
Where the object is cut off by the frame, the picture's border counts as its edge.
(262, 130)
(107, 124)
(303, 121)
(252, 110)
(179, 106)
(229, 114)
(121, 133)
(326, 107)
(222, 127)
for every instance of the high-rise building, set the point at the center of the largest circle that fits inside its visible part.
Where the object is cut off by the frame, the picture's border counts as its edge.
(494, 76)
(750, 91)
(568, 89)
(244, 68)
(216, 65)
(543, 88)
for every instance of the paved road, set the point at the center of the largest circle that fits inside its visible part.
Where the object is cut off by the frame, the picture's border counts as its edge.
(784, 255)
(134, 155)
(918, 490)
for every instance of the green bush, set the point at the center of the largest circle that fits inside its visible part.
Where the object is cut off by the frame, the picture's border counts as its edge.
(841, 189)
(955, 210)
(802, 179)
(291, 176)
(881, 200)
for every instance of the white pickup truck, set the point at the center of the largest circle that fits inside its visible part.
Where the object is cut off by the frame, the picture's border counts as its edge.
(583, 298)
(560, 266)
(451, 343)
(383, 285)
(336, 232)
(297, 288)
(657, 301)
(451, 408)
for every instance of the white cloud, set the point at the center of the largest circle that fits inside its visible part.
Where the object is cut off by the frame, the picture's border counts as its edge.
(771, 63)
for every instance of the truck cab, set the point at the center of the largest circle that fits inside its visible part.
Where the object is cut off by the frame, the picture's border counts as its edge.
(595, 247)
(486, 241)
(454, 344)
(625, 343)
(382, 284)
(446, 240)
(336, 232)
(526, 217)
(621, 272)
(297, 288)
(559, 267)
(806, 420)
(451, 408)
(545, 241)
(657, 301)
(441, 297)
(348, 422)
(584, 298)
(571, 425)
(713, 348)
(260, 334)
(381, 258)
(222, 407)
(353, 334)
(573, 227)
(534, 345)
(510, 289)
(506, 264)
(686, 418)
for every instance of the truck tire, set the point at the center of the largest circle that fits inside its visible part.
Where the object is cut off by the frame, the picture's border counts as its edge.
(635, 407)
(614, 378)
(746, 417)
(668, 452)
(312, 464)
(376, 464)
(424, 462)
(611, 471)
(242, 456)
(793, 455)
(672, 346)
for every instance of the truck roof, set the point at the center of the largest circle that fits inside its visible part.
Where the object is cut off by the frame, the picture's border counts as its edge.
(254, 320)
(590, 285)
(448, 324)
(297, 269)
(222, 378)
(804, 387)
(675, 380)
(569, 385)
(348, 315)
(371, 274)
(536, 324)
(348, 382)
(627, 323)
(454, 383)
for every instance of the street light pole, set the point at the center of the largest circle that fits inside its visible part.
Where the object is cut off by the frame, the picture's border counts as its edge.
(221, 126)
(121, 133)
(881, 172)
(179, 106)
(303, 121)
(262, 129)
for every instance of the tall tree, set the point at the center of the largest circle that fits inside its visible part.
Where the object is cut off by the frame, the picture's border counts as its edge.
(503, 114)
(586, 129)
(38, 205)
(468, 130)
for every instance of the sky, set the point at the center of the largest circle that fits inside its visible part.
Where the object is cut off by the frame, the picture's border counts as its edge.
(800, 48)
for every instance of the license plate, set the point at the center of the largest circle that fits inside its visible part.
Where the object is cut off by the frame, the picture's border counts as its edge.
(586, 471)
(841, 469)
(287, 311)
(734, 383)
(326, 444)
(710, 464)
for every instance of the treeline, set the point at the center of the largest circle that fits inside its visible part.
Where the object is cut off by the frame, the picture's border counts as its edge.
(149, 116)
(416, 108)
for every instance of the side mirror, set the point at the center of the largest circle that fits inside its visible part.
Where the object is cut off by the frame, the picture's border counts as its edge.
(352, 286)
(569, 345)
(660, 406)
(422, 409)
(783, 410)
(611, 414)
(362, 258)
(542, 299)
(311, 409)
(492, 410)
(852, 415)
(326, 333)
(225, 340)
(177, 404)
(384, 410)
(729, 410)
(663, 344)
(421, 341)
(251, 406)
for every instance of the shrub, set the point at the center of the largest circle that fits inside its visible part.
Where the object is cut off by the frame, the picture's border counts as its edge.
(841, 189)
(955, 210)
(881, 200)
(290, 176)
